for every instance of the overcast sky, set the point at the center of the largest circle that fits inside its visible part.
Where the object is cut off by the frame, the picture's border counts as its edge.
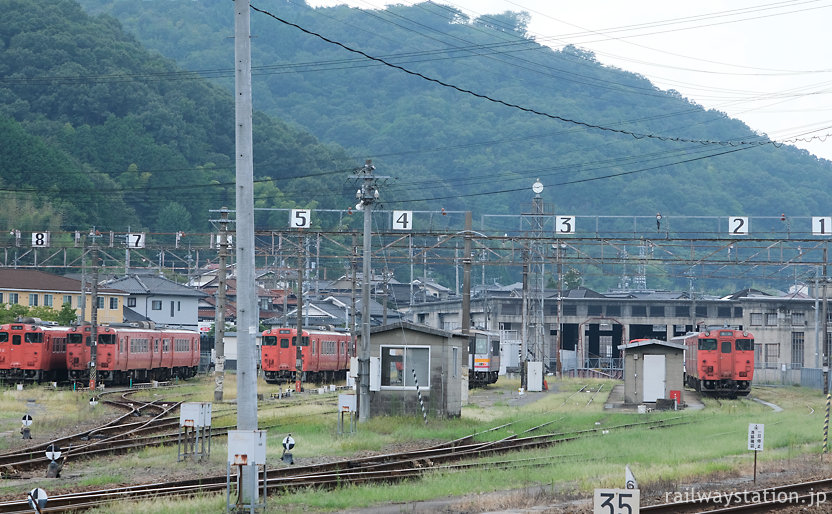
(767, 63)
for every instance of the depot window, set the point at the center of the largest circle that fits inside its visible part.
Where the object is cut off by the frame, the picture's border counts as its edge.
(398, 364)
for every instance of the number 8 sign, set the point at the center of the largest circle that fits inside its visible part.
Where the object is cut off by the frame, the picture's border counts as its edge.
(301, 218)
(40, 239)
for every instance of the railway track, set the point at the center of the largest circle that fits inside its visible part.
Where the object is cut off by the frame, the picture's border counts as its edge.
(107, 437)
(804, 495)
(385, 468)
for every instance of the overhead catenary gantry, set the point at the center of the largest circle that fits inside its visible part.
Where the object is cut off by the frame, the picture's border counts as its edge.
(718, 247)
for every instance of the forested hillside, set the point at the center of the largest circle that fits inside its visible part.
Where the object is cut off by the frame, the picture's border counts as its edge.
(97, 131)
(450, 149)
(120, 113)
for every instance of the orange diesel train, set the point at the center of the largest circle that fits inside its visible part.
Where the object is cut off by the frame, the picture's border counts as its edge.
(325, 355)
(719, 361)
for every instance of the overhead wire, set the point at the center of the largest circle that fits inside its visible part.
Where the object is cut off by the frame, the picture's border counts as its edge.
(635, 135)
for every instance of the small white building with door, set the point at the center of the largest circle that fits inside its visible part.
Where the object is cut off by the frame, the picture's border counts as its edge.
(653, 370)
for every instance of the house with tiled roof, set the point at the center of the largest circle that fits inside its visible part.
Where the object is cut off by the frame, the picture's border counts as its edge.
(159, 299)
(34, 288)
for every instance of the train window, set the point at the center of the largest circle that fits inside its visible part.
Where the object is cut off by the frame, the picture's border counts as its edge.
(106, 339)
(269, 341)
(4, 337)
(304, 341)
(481, 344)
(495, 347)
(707, 344)
(16, 339)
(745, 345)
(284, 343)
(74, 338)
(313, 346)
(34, 337)
(726, 346)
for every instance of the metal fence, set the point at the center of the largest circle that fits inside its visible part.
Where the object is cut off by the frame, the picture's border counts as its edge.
(786, 375)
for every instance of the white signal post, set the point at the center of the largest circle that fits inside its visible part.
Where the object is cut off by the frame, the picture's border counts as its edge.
(756, 431)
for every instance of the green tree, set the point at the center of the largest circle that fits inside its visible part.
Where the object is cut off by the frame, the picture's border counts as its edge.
(67, 315)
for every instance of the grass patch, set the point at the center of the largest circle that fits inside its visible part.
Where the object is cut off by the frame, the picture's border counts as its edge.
(701, 444)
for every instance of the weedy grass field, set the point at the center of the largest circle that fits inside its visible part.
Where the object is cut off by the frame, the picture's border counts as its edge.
(700, 447)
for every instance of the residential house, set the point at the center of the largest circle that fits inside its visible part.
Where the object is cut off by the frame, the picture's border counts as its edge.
(160, 300)
(33, 288)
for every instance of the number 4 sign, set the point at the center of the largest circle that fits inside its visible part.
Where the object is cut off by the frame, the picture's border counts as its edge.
(402, 220)
(616, 501)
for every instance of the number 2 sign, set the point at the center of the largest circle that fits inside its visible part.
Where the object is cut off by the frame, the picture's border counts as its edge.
(738, 225)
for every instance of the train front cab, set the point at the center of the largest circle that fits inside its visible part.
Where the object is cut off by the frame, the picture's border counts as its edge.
(78, 353)
(25, 352)
(724, 363)
(278, 355)
(483, 358)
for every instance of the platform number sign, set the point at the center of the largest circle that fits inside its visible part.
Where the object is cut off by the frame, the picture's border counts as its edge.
(40, 239)
(565, 224)
(738, 225)
(821, 225)
(402, 220)
(616, 501)
(301, 218)
(135, 240)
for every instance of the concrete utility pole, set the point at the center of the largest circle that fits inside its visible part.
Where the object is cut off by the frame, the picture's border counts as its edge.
(299, 339)
(247, 313)
(219, 312)
(367, 196)
(466, 276)
(94, 316)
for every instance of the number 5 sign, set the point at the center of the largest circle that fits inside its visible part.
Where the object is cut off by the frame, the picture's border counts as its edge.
(616, 501)
(301, 218)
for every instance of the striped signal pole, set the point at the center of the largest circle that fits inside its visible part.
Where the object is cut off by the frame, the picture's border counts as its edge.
(826, 423)
(419, 394)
